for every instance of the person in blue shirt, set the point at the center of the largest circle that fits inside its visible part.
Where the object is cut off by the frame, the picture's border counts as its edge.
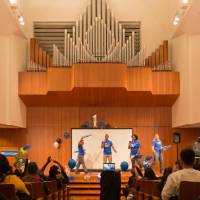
(134, 147)
(106, 145)
(157, 149)
(81, 153)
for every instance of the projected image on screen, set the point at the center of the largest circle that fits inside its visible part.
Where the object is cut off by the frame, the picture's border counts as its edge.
(92, 145)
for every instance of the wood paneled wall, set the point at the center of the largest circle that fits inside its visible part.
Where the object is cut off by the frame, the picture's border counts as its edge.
(44, 124)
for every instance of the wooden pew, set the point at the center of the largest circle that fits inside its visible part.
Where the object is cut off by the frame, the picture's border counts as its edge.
(52, 186)
(8, 190)
(36, 190)
(148, 190)
(189, 190)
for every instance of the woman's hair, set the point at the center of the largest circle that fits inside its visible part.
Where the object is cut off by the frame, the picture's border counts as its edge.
(32, 168)
(53, 171)
(5, 168)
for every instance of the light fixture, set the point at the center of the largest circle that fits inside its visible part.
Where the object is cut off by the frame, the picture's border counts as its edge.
(13, 3)
(22, 23)
(21, 18)
(177, 18)
(175, 23)
(184, 3)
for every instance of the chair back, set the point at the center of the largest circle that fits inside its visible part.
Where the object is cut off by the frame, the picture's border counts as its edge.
(189, 190)
(8, 190)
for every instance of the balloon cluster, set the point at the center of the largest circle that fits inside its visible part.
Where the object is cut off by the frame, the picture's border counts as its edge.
(57, 143)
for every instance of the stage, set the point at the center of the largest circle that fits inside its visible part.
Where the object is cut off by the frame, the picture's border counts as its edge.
(87, 186)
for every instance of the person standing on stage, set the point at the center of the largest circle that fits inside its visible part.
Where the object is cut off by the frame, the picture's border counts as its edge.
(106, 145)
(134, 147)
(157, 149)
(81, 153)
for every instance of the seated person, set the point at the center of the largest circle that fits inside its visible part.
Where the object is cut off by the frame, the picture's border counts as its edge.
(56, 172)
(32, 173)
(172, 185)
(6, 176)
(177, 166)
(166, 173)
(149, 174)
(196, 147)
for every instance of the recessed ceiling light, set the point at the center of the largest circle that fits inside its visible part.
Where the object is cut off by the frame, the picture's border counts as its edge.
(13, 2)
(175, 23)
(21, 19)
(22, 23)
(177, 18)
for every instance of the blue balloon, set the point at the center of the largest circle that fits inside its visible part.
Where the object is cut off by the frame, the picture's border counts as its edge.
(66, 134)
(71, 163)
(124, 166)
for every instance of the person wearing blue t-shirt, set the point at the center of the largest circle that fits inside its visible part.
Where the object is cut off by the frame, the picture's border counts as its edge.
(106, 145)
(81, 153)
(157, 148)
(134, 147)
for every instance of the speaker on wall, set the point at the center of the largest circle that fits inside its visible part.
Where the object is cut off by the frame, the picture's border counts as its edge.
(176, 138)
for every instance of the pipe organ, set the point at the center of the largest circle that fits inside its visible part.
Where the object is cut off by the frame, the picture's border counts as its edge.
(97, 36)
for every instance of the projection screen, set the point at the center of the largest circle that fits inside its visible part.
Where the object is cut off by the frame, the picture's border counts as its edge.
(92, 146)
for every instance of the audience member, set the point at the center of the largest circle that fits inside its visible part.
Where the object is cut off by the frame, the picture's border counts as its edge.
(177, 166)
(56, 172)
(196, 147)
(32, 173)
(166, 173)
(130, 188)
(7, 177)
(149, 174)
(172, 185)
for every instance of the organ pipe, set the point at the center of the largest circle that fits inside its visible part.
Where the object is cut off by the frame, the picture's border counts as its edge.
(97, 37)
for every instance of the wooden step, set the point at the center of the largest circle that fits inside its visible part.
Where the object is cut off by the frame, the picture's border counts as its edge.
(88, 186)
(84, 192)
(88, 198)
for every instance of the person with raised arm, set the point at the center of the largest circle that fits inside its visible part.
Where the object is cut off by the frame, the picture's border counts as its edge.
(81, 153)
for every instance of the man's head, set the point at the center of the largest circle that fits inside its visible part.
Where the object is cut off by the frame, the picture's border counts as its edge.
(198, 139)
(106, 136)
(187, 157)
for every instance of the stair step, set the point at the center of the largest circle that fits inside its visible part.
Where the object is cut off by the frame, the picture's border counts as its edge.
(88, 186)
(84, 192)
